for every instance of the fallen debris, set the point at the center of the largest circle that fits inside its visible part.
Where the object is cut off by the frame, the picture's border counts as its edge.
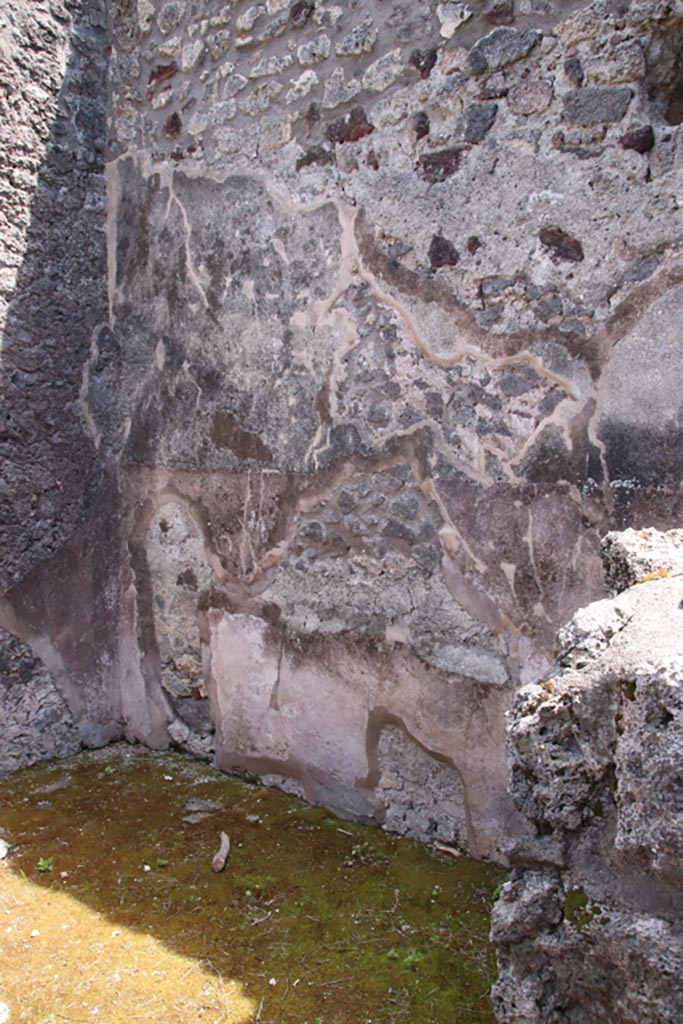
(221, 856)
(448, 849)
(199, 809)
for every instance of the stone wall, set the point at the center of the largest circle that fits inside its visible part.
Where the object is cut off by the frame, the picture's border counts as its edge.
(393, 338)
(588, 929)
(58, 504)
(396, 298)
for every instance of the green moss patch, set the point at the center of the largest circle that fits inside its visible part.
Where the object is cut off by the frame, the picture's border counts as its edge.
(110, 912)
(578, 908)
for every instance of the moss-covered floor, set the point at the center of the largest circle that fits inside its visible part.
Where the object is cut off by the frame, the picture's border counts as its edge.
(110, 912)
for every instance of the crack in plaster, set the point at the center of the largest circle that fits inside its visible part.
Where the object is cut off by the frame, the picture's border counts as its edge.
(84, 389)
(168, 177)
(351, 263)
(111, 177)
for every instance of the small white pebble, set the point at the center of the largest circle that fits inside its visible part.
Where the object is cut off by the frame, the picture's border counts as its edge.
(146, 867)
(168, 778)
(272, 982)
(35, 933)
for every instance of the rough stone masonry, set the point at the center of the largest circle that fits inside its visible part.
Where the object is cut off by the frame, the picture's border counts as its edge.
(334, 337)
(588, 929)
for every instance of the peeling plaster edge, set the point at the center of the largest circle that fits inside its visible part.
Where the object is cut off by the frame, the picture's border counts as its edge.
(44, 649)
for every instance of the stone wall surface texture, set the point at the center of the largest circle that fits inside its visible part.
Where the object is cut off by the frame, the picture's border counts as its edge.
(589, 927)
(392, 337)
(59, 684)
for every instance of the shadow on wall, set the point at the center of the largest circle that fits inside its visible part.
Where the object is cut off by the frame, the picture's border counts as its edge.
(57, 489)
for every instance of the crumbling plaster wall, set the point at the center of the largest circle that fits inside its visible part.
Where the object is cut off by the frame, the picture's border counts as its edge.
(392, 336)
(395, 297)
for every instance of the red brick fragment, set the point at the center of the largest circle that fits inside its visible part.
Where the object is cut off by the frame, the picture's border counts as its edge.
(442, 253)
(162, 72)
(562, 246)
(173, 126)
(640, 139)
(423, 61)
(351, 128)
(439, 165)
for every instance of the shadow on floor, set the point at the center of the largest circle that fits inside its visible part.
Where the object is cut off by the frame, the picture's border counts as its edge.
(313, 920)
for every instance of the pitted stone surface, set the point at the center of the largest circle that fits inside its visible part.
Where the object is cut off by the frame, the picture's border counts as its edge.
(422, 797)
(35, 719)
(634, 556)
(597, 750)
(649, 768)
(59, 541)
(53, 270)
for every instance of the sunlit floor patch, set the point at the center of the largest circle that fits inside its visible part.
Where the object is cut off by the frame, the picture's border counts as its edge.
(65, 961)
(110, 912)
